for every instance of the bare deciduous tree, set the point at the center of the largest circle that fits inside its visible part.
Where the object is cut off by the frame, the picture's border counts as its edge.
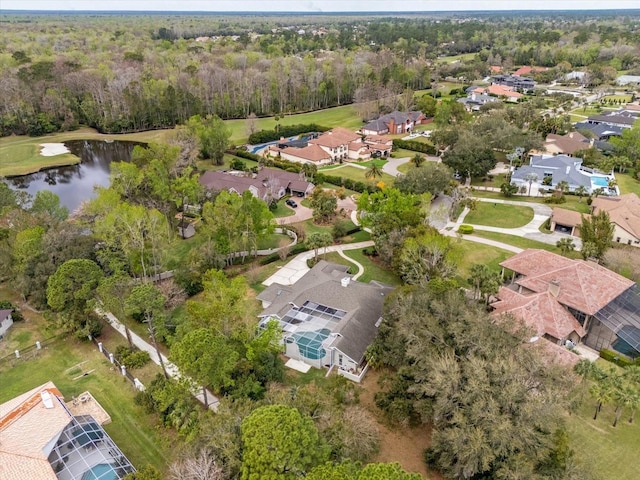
(201, 466)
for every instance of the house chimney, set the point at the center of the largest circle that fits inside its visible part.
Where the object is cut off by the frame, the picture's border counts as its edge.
(554, 288)
(345, 281)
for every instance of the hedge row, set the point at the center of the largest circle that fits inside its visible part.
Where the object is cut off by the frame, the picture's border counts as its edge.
(247, 155)
(415, 146)
(347, 183)
(616, 358)
(264, 136)
(466, 229)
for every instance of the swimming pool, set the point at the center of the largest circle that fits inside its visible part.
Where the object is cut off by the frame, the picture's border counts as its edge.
(102, 471)
(600, 181)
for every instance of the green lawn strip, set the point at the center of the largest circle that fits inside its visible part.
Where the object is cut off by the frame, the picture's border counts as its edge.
(131, 427)
(572, 202)
(376, 161)
(626, 98)
(372, 269)
(474, 253)
(520, 242)
(403, 153)
(610, 452)
(358, 174)
(489, 181)
(273, 240)
(344, 116)
(499, 215)
(627, 183)
(282, 210)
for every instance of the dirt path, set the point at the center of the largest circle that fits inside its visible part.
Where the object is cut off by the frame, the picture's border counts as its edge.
(397, 444)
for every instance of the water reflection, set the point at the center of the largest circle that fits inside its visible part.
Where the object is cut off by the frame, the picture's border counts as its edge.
(75, 184)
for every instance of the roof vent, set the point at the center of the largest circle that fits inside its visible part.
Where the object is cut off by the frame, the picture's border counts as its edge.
(345, 281)
(554, 288)
(46, 399)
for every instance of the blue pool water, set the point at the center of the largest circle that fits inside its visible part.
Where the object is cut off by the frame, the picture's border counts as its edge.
(102, 471)
(600, 181)
(310, 343)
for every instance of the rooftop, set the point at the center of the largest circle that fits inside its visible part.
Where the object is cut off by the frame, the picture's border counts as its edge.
(624, 211)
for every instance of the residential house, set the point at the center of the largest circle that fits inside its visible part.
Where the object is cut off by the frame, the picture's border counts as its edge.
(40, 438)
(509, 94)
(528, 70)
(336, 145)
(473, 101)
(620, 118)
(268, 184)
(522, 84)
(628, 80)
(624, 213)
(550, 170)
(567, 144)
(5, 321)
(577, 301)
(328, 319)
(600, 131)
(395, 123)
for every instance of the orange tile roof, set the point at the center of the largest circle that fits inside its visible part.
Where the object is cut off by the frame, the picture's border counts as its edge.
(569, 218)
(585, 286)
(527, 69)
(570, 143)
(335, 137)
(624, 211)
(540, 311)
(313, 153)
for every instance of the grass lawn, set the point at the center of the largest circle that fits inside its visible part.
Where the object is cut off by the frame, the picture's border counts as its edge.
(20, 155)
(274, 240)
(489, 181)
(402, 153)
(610, 452)
(627, 183)
(135, 431)
(345, 116)
(473, 253)
(499, 215)
(358, 174)
(623, 98)
(521, 242)
(376, 161)
(373, 270)
(572, 203)
(282, 210)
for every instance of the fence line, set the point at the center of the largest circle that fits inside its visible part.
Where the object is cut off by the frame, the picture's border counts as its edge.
(123, 369)
(24, 354)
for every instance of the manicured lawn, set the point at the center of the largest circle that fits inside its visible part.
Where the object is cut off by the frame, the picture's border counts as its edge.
(521, 242)
(373, 270)
(610, 452)
(135, 431)
(20, 155)
(627, 183)
(474, 253)
(358, 174)
(376, 161)
(572, 202)
(282, 210)
(402, 153)
(499, 215)
(274, 240)
(489, 181)
(344, 116)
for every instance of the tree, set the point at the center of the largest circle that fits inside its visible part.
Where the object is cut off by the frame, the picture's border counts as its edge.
(432, 177)
(470, 156)
(70, 291)
(580, 191)
(47, 203)
(324, 204)
(426, 257)
(148, 472)
(386, 471)
(417, 160)
(279, 443)
(530, 178)
(146, 303)
(624, 396)
(565, 245)
(318, 240)
(562, 186)
(427, 105)
(598, 231)
(485, 281)
(208, 358)
(508, 189)
(213, 134)
(374, 171)
(200, 466)
(601, 391)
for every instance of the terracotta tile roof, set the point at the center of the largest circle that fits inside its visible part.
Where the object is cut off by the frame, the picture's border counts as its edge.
(555, 353)
(585, 286)
(540, 311)
(26, 427)
(624, 211)
(569, 144)
(568, 218)
(312, 153)
(527, 69)
(378, 139)
(336, 137)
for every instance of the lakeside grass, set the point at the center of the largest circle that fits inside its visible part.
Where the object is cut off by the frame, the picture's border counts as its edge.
(499, 215)
(133, 430)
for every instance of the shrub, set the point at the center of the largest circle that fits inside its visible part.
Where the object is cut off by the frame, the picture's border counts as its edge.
(465, 229)
(340, 229)
(415, 146)
(264, 136)
(555, 199)
(616, 358)
(131, 357)
(237, 164)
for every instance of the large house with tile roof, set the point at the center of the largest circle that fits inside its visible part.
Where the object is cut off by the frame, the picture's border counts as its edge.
(268, 184)
(395, 123)
(624, 214)
(328, 319)
(336, 145)
(567, 144)
(562, 300)
(41, 439)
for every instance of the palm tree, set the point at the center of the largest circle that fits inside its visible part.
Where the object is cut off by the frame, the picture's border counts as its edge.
(624, 396)
(581, 191)
(531, 177)
(586, 369)
(417, 160)
(374, 171)
(633, 402)
(562, 186)
(601, 391)
(565, 245)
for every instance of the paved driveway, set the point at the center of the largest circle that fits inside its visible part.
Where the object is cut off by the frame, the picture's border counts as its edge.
(302, 213)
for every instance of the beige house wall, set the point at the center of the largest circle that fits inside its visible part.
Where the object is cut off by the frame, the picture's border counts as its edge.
(296, 159)
(622, 236)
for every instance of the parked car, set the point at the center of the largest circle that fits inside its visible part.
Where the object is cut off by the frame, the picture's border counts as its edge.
(291, 203)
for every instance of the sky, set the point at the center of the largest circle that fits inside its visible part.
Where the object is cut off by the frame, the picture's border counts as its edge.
(314, 5)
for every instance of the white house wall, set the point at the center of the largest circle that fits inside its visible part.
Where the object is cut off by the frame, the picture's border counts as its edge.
(620, 235)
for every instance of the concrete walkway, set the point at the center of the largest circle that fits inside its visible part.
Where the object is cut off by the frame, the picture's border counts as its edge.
(531, 230)
(172, 369)
(294, 270)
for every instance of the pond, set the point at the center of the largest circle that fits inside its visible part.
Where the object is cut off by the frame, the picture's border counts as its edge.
(75, 184)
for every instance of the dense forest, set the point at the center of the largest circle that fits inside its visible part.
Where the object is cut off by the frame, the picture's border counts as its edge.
(138, 72)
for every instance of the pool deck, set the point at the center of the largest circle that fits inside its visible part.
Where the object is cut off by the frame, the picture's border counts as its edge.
(85, 404)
